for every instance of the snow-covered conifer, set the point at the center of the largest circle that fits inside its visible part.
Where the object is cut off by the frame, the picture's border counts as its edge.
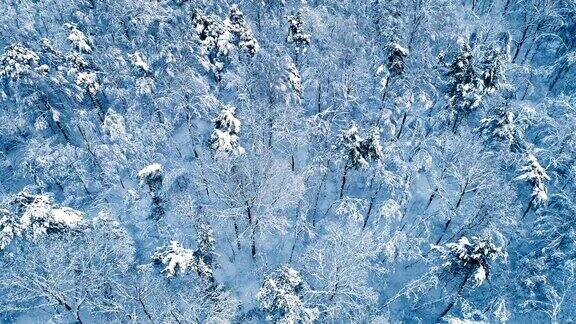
(281, 298)
(294, 78)
(536, 175)
(396, 56)
(152, 176)
(32, 215)
(88, 81)
(493, 69)
(501, 126)
(360, 151)
(296, 34)
(79, 41)
(139, 62)
(18, 60)
(205, 254)
(176, 258)
(225, 135)
(465, 88)
(470, 258)
(215, 41)
(242, 33)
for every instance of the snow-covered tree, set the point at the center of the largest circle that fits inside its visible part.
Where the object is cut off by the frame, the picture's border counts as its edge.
(18, 60)
(215, 41)
(281, 297)
(244, 37)
(78, 39)
(205, 254)
(536, 175)
(296, 33)
(465, 88)
(218, 38)
(225, 135)
(341, 287)
(153, 176)
(469, 260)
(395, 65)
(502, 126)
(176, 258)
(33, 215)
(358, 151)
(493, 65)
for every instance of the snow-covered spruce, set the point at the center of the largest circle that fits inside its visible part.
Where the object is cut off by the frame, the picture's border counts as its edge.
(79, 41)
(470, 258)
(280, 297)
(152, 176)
(224, 138)
(466, 88)
(537, 177)
(176, 258)
(360, 151)
(296, 34)
(217, 38)
(32, 215)
(243, 36)
(501, 127)
(18, 60)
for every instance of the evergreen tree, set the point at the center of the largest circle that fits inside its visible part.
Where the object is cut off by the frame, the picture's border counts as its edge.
(175, 257)
(536, 175)
(225, 135)
(281, 298)
(244, 38)
(296, 34)
(205, 255)
(152, 176)
(502, 126)
(465, 88)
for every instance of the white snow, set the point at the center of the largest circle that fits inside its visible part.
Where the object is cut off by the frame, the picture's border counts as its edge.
(150, 170)
(138, 61)
(175, 257)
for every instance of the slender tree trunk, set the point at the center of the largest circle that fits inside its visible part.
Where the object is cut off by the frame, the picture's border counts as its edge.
(401, 126)
(530, 203)
(346, 168)
(252, 231)
(458, 293)
(237, 233)
(145, 309)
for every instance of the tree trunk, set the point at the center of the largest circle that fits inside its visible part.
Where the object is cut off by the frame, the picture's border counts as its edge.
(530, 203)
(346, 168)
(401, 126)
(458, 293)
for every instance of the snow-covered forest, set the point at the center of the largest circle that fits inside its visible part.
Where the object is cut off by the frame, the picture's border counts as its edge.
(287, 161)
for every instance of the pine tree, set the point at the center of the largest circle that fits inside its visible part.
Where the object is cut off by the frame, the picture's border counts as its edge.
(18, 60)
(225, 135)
(493, 69)
(205, 254)
(296, 34)
(358, 151)
(175, 257)
(536, 175)
(502, 127)
(469, 259)
(243, 35)
(215, 42)
(152, 176)
(281, 298)
(32, 214)
(396, 56)
(465, 88)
